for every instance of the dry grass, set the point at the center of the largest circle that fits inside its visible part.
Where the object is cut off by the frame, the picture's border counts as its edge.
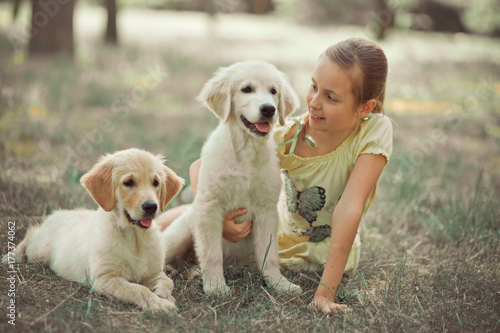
(430, 259)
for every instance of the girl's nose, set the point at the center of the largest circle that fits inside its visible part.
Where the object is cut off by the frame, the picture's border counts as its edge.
(314, 102)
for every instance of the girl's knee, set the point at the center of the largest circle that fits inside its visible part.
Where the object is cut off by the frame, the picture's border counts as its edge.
(169, 216)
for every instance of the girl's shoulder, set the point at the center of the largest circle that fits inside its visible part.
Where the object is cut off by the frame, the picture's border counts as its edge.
(375, 136)
(288, 130)
(377, 121)
(378, 126)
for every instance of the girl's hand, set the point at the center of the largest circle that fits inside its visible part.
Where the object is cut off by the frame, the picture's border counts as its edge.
(326, 305)
(232, 231)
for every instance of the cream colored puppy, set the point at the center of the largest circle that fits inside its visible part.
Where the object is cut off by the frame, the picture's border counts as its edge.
(115, 249)
(239, 169)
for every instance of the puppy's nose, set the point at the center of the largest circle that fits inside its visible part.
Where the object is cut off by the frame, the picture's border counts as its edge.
(267, 110)
(149, 207)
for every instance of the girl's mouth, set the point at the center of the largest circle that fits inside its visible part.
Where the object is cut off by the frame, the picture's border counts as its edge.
(316, 118)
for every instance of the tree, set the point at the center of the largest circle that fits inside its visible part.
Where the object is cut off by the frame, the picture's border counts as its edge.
(111, 30)
(51, 27)
(260, 6)
(384, 18)
(443, 17)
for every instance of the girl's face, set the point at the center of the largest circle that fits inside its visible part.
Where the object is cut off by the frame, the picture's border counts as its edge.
(330, 99)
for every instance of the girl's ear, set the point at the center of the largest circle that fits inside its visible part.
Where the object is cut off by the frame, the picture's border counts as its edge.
(99, 183)
(288, 99)
(216, 94)
(366, 108)
(170, 187)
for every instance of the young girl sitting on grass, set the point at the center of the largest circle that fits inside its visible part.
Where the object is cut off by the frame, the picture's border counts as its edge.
(331, 157)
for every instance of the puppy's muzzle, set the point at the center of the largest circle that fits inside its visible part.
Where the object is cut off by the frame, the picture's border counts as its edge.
(263, 126)
(267, 110)
(149, 207)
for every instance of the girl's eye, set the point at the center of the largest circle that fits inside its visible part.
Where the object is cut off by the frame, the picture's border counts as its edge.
(331, 99)
(129, 183)
(273, 91)
(247, 89)
(313, 86)
(155, 183)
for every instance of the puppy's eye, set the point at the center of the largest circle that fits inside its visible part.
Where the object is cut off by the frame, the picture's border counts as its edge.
(273, 91)
(247, 89)
(156, 183)
(129, 183)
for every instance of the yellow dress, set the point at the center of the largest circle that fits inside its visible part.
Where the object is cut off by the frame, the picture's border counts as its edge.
(312, 187)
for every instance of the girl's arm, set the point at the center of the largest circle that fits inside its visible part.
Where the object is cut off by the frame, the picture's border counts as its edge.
(346, 218)
(231, 231)
(194, 173)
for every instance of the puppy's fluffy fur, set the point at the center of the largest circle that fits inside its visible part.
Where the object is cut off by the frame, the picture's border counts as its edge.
(116, 249)
(239, 169)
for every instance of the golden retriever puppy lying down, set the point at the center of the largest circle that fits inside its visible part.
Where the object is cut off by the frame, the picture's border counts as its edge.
(115, 249)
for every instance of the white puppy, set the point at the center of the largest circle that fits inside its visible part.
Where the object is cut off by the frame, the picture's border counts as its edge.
(115, 249)
(239, 169)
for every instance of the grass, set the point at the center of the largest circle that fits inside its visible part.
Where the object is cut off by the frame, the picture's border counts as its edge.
(430, 256)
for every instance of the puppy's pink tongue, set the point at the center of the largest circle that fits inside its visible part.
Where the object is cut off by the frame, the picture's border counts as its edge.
(263, 127)
(146, 223)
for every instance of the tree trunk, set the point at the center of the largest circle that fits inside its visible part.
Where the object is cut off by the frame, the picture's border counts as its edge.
(52, 27)
(260, 6)
(384, 18)
(17, 4)
(111, 30)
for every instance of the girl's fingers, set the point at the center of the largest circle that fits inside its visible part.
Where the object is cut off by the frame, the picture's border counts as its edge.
(328, 307)
(243, 229)
(235, 213)
(234, 232)
(335, 307)
(247, 228)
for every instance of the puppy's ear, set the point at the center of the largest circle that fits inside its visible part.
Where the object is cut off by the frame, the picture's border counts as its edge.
(216, 94)
(170, 187)
(289, 101)
(98, 181)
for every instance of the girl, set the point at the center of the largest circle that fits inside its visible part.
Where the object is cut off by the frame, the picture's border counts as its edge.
(331, 157)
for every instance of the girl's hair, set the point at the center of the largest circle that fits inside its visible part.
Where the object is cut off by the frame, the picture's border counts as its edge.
(368, 65)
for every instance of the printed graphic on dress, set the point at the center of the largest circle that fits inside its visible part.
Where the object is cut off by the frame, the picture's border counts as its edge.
(318, 233)
(306, 202)
(330, 208)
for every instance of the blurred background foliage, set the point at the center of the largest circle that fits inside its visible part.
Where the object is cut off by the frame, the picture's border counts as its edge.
(51, 28)
(45, 103)
(479, 16)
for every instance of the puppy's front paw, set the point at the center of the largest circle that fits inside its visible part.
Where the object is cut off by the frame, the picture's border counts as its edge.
(292, 289)
(285, 286)
(216, 288)
(162, 305)
(164, 289)
(166, 296)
